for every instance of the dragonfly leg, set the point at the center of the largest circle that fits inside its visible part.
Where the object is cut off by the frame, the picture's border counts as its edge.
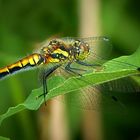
(69, 66)
(70, 69)
(44, 81)
(86, 64)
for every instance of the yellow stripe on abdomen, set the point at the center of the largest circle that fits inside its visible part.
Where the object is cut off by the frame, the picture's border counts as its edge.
(25, 63)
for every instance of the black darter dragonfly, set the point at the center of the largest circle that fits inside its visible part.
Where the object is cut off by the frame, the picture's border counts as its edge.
(63, 52)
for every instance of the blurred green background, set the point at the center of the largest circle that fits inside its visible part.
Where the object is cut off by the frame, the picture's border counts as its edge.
(25, 23)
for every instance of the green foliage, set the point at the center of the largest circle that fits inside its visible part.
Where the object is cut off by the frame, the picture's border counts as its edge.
(3, 138)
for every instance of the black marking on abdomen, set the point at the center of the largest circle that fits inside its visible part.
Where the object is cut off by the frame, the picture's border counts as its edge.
(42, 59)
(3, 74)
(14, 69)
(29, 65)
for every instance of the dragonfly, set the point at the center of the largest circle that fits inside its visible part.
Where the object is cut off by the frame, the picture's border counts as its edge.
(62, 52)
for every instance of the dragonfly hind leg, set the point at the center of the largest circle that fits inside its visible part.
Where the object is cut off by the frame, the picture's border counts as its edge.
(44, 81)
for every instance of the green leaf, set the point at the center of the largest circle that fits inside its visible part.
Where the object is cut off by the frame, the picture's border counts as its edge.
(3, 138)
(31, 103)
(112, 70)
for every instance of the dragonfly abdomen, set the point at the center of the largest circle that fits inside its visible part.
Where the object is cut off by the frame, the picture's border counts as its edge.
(25, 63)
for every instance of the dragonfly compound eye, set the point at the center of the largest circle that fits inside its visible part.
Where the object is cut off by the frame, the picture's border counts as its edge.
(82, 50)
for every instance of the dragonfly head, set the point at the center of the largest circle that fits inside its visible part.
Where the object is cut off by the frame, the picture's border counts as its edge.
(81, 50)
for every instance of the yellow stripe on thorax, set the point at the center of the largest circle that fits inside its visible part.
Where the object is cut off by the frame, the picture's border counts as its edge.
(59, 51)
(53, 60)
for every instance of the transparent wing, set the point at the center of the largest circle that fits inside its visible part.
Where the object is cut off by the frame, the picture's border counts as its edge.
(100, 47)
(96, 97)
(124, 85)
(93, 97)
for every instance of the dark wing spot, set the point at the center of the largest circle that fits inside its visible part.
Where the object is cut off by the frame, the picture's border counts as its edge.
(114, 98)
(138, 68)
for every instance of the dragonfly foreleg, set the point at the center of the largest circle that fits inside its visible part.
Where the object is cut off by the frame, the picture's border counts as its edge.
(86, 64)
(70, 69)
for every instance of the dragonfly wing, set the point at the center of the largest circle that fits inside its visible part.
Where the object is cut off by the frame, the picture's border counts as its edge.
(88, 98)
(100, 49)
(124, 85)
(81, 99)
(93, 97)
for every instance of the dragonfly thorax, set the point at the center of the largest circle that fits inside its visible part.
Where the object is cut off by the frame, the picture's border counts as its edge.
(55, 51)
